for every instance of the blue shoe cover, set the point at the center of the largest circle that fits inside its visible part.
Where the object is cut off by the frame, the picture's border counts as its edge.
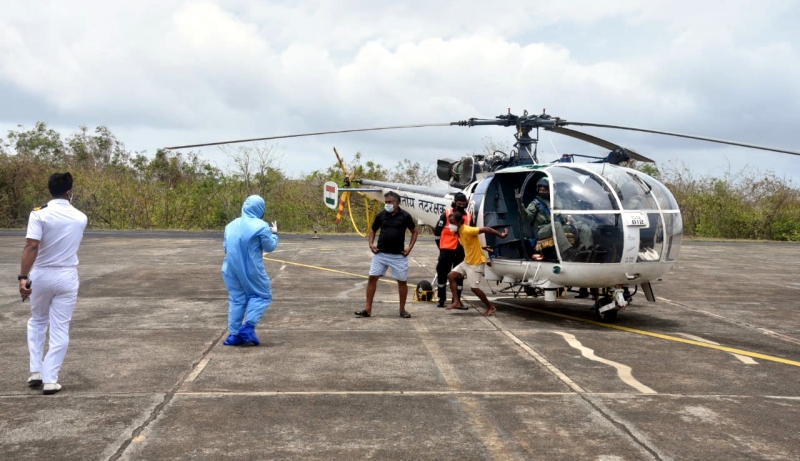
(248, 334)
(233, 340)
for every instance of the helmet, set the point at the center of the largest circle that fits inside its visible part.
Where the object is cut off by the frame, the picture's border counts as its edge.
(543, 182)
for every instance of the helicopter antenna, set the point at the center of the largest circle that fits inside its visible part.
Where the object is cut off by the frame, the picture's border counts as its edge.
(536, 147)
(236, 141)
(553, 144)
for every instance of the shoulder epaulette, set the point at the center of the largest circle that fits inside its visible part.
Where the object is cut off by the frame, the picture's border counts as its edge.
(40, 207)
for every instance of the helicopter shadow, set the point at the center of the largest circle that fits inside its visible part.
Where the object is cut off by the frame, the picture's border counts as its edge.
(576, 314)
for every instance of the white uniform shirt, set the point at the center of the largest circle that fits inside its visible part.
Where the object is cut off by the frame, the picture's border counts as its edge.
(59, 230)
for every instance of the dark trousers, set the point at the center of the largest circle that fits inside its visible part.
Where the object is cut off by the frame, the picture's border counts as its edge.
(448, 259)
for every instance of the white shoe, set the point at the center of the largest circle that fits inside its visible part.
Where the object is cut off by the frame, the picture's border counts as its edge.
(35, 380)
(51, 388)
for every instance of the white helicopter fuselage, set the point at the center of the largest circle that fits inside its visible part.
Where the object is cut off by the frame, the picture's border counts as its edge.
(614, 226)
(423, 204)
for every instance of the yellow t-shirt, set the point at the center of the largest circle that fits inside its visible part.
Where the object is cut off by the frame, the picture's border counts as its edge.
(468, 237)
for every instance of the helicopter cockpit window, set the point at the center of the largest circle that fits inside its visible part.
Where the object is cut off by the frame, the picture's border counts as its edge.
(580, 190)
(586, 224)
(674, 231)
(633, 192)
(661, 193)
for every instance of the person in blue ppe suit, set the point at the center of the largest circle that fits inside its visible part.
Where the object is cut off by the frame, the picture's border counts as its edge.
(249, 292)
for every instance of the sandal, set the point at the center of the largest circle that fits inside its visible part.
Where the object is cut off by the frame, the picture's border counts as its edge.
(405, 315)
(362, 313)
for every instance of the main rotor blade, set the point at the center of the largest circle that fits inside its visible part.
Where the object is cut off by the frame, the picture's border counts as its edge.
(680, 135)
(236, 141)
(599, 142)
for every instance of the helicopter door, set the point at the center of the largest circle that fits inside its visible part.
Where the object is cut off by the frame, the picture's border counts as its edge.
(528, 192)
(634, 221)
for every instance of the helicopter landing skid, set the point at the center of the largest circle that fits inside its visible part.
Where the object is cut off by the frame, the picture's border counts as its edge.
(517, 289)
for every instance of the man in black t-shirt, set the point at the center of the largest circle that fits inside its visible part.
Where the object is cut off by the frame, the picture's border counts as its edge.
(390, 251)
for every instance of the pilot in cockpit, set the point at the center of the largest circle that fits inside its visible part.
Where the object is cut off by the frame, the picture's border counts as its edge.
(540, 214)
(573, 233)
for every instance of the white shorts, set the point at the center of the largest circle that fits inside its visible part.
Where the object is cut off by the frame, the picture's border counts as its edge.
(473, 274)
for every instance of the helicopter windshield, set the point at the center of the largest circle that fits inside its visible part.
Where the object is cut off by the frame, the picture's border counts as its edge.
(586, 224)
(633, 192)
(587, 203)
(660, 191)
(577, 189)
(639, 191)
(589, 213)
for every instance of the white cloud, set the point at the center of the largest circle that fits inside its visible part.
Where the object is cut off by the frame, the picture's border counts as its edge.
(178, 72)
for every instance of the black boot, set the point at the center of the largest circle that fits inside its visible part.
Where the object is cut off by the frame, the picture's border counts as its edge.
(442, 295)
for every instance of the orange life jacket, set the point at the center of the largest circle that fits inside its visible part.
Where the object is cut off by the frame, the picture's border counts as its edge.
(448, 241)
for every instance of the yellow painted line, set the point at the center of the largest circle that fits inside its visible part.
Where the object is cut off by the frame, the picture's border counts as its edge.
(659, 335)
(325, 269)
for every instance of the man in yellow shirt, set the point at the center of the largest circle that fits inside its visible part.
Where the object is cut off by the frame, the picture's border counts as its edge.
(474, 263)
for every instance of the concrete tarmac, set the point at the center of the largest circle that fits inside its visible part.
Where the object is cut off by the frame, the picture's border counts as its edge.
(710, 371)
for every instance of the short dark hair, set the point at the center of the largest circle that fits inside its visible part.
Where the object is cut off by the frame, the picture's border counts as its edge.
(394, 194)
(59, 184)
(457, 216)
(460, 197)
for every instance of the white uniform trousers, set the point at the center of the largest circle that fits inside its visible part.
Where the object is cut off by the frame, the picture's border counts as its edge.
(55, 291)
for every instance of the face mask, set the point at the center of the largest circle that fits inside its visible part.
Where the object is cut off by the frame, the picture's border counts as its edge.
(453, 228)
(461, 208)
(388, 207)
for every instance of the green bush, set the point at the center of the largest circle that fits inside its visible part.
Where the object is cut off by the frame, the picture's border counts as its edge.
(118, 189)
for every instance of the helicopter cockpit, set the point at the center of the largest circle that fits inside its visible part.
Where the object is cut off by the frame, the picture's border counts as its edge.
(639, 192)
(598, 212)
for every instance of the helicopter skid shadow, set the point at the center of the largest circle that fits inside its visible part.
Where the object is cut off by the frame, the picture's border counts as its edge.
(558, 313)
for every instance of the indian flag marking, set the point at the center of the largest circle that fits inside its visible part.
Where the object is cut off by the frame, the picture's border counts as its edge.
(330, 194)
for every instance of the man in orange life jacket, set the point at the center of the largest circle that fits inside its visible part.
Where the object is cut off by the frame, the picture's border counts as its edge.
(451, 253)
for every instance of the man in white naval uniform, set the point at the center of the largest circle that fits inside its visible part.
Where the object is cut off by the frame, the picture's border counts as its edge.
(49, 276)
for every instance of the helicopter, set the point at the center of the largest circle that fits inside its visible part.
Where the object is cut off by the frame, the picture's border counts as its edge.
(614, 228)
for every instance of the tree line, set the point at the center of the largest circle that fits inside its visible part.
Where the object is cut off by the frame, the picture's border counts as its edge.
(120, 189)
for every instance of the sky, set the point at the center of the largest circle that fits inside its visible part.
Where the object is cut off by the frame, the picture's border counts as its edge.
(175, 72)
